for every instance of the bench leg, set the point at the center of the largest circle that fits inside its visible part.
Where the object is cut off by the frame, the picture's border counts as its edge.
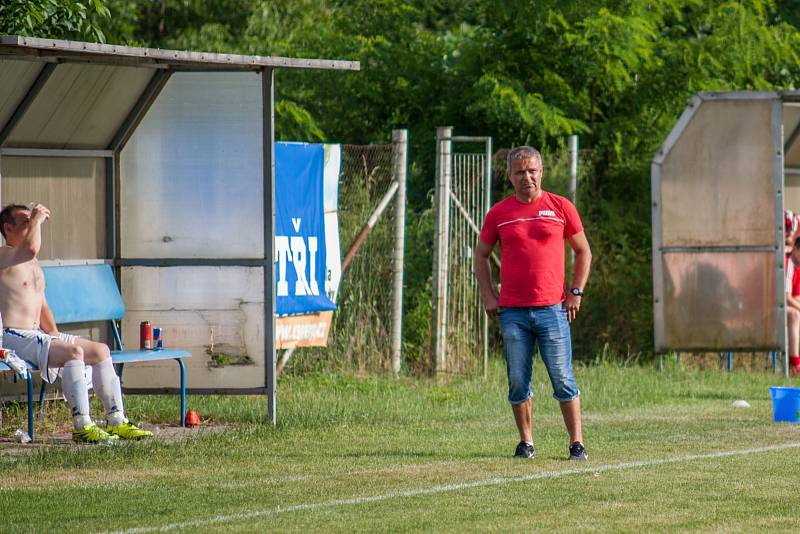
(183, 391)
(30, 405)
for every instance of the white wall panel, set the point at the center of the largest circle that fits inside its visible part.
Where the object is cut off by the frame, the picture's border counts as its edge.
(204, 310)
(74, 190)
(191, 175)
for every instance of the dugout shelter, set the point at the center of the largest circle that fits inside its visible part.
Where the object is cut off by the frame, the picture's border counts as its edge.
(720, 183)
(160, 162)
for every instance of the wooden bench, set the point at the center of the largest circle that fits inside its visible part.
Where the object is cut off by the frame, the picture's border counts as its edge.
(89, 293)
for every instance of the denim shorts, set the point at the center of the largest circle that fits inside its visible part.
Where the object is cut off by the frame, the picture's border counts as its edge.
(548, 327)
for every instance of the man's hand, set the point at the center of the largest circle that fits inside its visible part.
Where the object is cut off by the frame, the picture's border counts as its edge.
(483, 272)
(490, 305)
(572, 305)
(39, 214)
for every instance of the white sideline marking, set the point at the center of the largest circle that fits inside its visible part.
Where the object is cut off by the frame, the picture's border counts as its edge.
(452, 487)
(320, 476)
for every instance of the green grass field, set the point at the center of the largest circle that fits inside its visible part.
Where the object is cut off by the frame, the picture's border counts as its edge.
(667, 453)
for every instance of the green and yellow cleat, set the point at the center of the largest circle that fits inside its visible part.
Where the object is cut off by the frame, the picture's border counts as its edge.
(92, 434)
(128, 430)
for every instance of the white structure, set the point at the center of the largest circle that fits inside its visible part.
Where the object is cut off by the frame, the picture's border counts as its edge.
(719, 187)
(162, 163)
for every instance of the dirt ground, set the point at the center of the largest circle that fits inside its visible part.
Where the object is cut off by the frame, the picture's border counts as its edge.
(63, 438)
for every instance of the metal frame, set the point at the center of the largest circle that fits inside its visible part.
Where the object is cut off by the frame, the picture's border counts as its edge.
(780, 278)
(189, 262)
(399, 167)
(56, 152)
(441, 245)
(488, 200)
(52, 52)
(34, 48)
(779, 99)
(487, 142)
(139, 110)
(268, 140)
(444, 195)
(27, 100)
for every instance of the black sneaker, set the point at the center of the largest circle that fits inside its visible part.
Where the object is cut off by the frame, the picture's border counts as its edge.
(577, 452)
(525, 450)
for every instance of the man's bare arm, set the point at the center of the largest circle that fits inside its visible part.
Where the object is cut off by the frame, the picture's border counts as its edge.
(583, 259)
(46, 320)
(483, 272)
(583, 264)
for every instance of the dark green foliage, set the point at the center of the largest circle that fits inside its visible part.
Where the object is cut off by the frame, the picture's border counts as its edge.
(55, 19)
(616, 72)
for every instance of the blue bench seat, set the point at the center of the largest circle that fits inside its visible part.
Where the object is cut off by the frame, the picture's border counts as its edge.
(89, 293)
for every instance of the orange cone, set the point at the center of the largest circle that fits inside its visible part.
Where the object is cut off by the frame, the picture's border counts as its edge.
(192, 419)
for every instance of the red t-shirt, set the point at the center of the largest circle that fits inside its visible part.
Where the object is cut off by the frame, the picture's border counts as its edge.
(532, 247)
(795, 280)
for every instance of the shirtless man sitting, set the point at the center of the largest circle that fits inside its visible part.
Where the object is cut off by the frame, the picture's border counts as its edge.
(30, 331)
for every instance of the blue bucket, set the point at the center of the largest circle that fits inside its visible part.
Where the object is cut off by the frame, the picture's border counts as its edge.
(785, 404)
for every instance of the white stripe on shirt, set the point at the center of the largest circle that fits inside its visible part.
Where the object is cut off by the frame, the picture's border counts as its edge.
(560, 221)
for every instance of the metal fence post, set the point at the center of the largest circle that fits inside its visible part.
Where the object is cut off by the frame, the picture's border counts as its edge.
(399, 159)
(487, 204)
(573, 182)
(573, 168)
(268, 96)
(441, 247)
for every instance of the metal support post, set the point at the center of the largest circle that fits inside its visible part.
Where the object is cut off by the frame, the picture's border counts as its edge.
(487, 203)
(441, 248)
(573, 180)
(268, 142)
(573, 168)
(399, 159)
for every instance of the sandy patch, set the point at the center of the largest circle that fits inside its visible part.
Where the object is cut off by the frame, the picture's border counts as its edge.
(162, 433)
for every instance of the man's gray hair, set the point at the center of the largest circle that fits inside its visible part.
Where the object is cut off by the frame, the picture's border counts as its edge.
(522, 152)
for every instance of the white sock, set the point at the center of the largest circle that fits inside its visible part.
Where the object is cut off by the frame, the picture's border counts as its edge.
(108, 390)
(73, 382)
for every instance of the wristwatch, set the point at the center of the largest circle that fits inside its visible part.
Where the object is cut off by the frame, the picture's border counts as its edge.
(577, 292)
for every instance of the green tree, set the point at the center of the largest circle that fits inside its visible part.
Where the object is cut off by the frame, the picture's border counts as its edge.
(617, 72)
(56, 19)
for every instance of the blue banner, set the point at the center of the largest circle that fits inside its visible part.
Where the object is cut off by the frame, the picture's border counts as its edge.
(300, 253)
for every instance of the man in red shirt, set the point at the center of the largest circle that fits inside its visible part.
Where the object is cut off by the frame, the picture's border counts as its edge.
(533, 307)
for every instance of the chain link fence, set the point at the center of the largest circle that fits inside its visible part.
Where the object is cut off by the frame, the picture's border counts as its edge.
(360, 336)
(465, 316)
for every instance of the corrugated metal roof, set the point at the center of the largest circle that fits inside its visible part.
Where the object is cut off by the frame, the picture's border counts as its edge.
(72, 95)
(51, 48)
(16, 77)
(80, 106)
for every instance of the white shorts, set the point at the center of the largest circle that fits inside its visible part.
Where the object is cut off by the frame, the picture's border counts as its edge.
(33, 346)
